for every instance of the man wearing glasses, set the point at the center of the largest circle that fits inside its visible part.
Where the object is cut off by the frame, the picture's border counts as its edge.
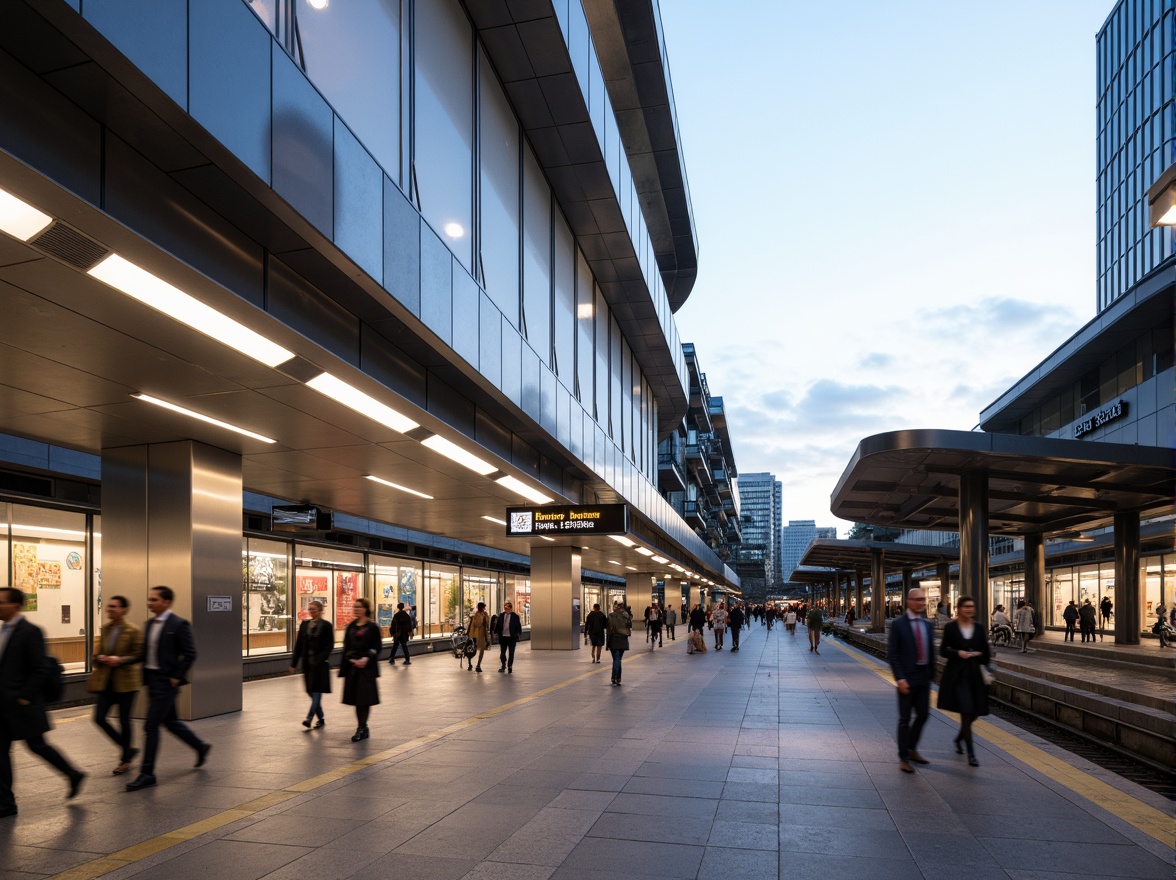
(509, 628)
(911, 654)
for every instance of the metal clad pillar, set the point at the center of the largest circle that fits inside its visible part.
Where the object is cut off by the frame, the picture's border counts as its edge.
(171, 515)
(1128, 596)
(877, 589)
(943, 573)
(859, 578)
(1034, 573)
(555, 588)
(907, 584)
(639, 593)
(974, 542)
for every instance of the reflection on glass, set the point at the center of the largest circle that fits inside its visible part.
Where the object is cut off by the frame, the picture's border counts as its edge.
(500, 196)
(333, 577)
(49, 565)
(536, 257)
(395, 580)
(265, 606)
(442, 598)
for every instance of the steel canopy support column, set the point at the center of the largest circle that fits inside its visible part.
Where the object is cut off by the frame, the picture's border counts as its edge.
(1034, 573)
(907, 584)
(859, 578)
(877, 589)
(555, 597)
(974, 542)
(1128, 598)
(639, 594)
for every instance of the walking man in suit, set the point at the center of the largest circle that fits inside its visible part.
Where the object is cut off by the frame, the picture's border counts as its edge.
(509, 628)
(911, 653)
(117, 677)
(169, 650)
(23, 671)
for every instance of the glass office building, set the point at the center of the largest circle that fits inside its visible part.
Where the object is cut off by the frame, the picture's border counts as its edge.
(405, 245)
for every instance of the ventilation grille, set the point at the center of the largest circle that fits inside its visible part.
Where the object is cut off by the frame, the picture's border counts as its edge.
(70, 246)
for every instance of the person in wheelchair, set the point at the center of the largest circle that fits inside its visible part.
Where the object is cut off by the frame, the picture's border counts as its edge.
(1001, 632)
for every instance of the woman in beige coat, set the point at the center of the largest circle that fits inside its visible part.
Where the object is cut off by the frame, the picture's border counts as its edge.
(478, 629)
(117, 676)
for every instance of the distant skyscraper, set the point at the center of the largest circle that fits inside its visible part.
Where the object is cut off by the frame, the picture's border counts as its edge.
(795, 538)
(761, 504)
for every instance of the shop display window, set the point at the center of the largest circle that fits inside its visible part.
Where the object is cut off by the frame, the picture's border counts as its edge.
(333, 577)
(265, 603)
(520, 593)
(394, 580)
(479, 586)
(442, 600)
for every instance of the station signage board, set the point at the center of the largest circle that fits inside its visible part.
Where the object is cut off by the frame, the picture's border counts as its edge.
(1116, 410)
(590, 519)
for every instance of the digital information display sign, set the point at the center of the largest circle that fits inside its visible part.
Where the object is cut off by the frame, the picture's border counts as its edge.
(593, 519)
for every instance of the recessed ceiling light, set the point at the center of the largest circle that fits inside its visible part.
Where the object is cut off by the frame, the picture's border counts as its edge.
(351, 397)
(501, 522)
(137, 283)
(20, 219)
(384, 482)
(545, 538)
(613, 562)
(176, 408)
(631, 568)
(521, 488)
(644, 551)
(660, 560)
(455, 453)
(621, 539)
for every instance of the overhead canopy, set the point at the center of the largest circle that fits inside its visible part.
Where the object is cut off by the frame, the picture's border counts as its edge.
(827, 553)
(910, 480)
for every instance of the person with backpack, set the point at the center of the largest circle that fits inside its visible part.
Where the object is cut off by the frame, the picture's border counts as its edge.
(620, 627)
(26, 672)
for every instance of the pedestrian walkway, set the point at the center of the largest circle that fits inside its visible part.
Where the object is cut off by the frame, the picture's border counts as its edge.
(770, 762)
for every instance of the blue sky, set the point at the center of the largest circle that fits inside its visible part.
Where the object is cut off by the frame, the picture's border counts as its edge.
(895, 212)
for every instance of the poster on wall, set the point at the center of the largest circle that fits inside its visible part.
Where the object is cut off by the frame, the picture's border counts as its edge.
(408, 586)
(49, 575)
(346, 592)
(384, 612)
(24, 572)
(311, 587)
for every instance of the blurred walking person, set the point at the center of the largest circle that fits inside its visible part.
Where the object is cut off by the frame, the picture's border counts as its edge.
(620, 627)
(736, 618)
(24, 669)
(671, 622)
(814, 622)
(312, 648)
(359, 669)
(596, 627)
(719, 621)
(478, 629)
(117, 677)
(1023, 625)
(962, 689)
(401, 629)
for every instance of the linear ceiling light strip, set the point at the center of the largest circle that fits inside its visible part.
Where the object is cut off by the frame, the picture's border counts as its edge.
(176, 408)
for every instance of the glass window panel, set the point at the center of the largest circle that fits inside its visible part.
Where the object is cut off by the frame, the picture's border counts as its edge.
(443, 124)
(351, 51)
(585, 317)
(615, 380)
(602, 319)
(478, 586)
(442, 594)
(500, 196)
(333, 577)
(536, 256)
(393, 581)
(49, 565)
(520, 594)
(565, 302)
(266, 607)
(267, 11)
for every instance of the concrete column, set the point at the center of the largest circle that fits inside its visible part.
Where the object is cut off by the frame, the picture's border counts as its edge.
(907, 584)
(974, 543)
(555, 588)
(859, 578)
(1034, 575)
(171, 516)
(877, 590)
(1128, 587)
(639, 593)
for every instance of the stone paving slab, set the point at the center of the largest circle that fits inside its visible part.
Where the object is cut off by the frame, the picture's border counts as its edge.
(772, 762)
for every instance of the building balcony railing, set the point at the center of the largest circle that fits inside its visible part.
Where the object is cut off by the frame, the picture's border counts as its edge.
(693, 514)
(671, 472)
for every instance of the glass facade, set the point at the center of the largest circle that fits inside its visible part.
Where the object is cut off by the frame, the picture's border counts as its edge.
(1136, 140)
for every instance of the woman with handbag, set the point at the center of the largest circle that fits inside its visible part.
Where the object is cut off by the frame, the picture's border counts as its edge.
(962, 688)
(478, 629)
(620, 627)
(359, 669)
(312, 647)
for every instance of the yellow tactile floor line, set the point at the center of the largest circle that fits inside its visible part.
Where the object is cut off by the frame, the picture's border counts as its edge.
(1152, 822)
(104, 865)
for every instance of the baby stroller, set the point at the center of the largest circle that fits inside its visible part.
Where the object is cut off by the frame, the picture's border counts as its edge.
(1001, 635)
(464, 647)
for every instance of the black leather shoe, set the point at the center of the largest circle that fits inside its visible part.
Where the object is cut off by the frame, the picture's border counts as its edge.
(202, 753)
(75, 783)
(322, 722)
(140, 782)
(5, 812)
(917, 758)
(972, 762)
(306, 723)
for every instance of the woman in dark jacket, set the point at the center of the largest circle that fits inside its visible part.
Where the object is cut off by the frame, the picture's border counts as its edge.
(316, 638)
(359, 669)
(962, 688)
(620, 627)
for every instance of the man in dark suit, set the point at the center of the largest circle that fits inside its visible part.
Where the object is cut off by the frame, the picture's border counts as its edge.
(508, 628)
(169, 650)
(23, 671)
(911, 653)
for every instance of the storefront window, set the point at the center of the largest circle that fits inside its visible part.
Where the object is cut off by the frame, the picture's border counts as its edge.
(265, 604)
(442, 600)
(1063, 592)
(333, 577)
(394, 580)
(519, 592)
(478, 586)
(1151, 576)
(48, 563)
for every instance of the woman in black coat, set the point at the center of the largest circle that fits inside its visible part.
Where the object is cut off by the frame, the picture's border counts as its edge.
(359, 669)
(961, 689)
(316, 638)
